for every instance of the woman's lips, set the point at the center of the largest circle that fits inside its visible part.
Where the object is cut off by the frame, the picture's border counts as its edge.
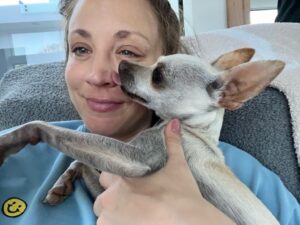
(103, 105)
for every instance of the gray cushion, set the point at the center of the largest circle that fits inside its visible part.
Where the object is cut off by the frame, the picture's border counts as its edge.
(262, 127)
(36, 92)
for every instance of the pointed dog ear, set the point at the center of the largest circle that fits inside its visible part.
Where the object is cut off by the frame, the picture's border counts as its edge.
(244, 81)
(234, 58)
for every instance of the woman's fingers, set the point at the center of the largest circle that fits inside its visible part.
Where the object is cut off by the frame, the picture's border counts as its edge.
(107, 179)
(174, 145)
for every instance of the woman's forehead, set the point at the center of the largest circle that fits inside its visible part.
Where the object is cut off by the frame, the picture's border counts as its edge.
(132, 15)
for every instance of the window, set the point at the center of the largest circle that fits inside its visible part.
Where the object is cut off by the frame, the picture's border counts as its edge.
(16, 2)
(30, 33)
(263, 11)
(37, 43)
(263, 16)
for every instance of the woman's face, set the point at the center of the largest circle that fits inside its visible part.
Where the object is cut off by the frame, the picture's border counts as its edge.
(101, 34)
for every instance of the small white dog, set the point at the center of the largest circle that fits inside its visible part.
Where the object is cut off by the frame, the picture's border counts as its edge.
(177, 86)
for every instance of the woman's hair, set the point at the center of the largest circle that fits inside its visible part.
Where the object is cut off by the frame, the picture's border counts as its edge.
(169, 26)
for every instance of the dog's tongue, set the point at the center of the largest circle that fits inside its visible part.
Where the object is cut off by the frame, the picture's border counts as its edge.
(116, 78)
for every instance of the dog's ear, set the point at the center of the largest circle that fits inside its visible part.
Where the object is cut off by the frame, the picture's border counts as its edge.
(244, 81)
(234, 58)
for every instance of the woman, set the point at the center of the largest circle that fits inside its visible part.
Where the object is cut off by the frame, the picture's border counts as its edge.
(99, 34)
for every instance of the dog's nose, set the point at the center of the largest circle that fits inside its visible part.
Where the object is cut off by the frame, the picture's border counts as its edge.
(126, 70)
(124, 67)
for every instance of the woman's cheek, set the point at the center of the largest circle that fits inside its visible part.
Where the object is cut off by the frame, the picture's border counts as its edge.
(74, 74)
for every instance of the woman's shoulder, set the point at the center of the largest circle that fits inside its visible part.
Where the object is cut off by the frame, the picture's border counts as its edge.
(71, 124)
(265, 184)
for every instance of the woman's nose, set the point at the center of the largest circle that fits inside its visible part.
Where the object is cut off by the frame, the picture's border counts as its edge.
(102, 72)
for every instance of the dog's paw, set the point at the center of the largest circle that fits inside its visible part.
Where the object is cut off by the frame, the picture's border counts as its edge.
(56, 195)
(62, 188)
(59, 192)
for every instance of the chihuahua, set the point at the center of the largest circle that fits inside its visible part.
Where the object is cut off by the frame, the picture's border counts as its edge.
(176, 86)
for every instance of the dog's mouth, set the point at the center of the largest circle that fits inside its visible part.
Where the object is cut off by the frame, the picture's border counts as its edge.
(134, 96)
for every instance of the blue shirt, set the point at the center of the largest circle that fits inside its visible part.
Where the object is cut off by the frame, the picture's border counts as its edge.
(26, 177)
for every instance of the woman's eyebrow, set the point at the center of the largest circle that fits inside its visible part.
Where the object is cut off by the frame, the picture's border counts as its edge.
(82, 33)
(125, 33)
(122, 34)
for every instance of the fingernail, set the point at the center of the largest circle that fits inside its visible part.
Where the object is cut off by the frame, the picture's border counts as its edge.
(175, 126)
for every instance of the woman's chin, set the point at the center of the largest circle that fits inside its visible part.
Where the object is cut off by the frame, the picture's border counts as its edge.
(104, 126)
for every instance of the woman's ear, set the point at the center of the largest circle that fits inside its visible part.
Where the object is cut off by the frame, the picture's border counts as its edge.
(245, 81)
(234, 58)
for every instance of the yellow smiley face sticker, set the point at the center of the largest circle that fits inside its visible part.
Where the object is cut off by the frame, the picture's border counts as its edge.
(14, 207)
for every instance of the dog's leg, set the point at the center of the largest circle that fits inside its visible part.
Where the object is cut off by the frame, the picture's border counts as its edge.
(63, 187)
(91, 180)
(220, 186)
(99, 152)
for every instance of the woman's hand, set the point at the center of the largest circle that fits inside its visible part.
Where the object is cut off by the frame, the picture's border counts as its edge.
(169, 196)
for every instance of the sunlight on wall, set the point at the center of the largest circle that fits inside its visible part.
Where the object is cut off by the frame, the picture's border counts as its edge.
(263, 16)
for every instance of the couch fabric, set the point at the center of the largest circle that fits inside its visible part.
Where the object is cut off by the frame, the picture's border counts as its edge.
(36, 92)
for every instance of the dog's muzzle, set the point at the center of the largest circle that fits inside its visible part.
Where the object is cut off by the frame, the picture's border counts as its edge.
(126, 71)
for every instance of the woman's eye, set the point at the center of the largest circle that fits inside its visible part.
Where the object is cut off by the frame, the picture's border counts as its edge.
(80, 51)
(128, 53)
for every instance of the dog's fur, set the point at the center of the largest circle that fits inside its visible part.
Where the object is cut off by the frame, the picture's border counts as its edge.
(177, 86)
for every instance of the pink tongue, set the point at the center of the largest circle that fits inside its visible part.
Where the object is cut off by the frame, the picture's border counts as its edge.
(116, 78)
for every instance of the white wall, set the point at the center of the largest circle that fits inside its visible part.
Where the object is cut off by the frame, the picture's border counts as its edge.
(201, 15)
(174, 4)
(264, 4)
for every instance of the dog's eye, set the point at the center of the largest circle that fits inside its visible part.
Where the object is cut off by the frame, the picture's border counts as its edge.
(157, 76)
(215, 85)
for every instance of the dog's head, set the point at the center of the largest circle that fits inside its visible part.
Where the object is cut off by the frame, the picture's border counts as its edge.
(182, 86)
